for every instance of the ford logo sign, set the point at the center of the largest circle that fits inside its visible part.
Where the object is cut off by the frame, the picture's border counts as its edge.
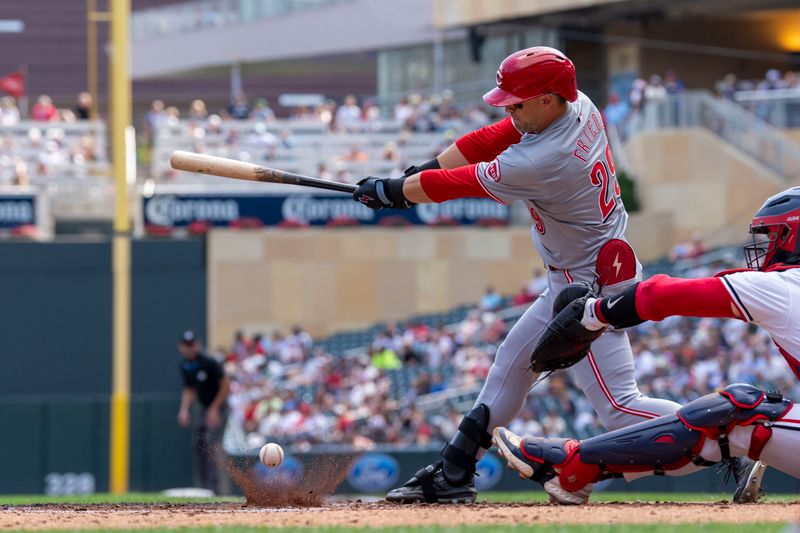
(290, 470)
(489, 472)
(374, 472)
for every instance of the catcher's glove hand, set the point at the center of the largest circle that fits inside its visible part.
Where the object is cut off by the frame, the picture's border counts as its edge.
(565, 341)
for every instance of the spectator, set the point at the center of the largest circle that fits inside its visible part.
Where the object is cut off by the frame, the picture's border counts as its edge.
(390, 152)
(523, 297)
(726, 87)
(772, 81)
(9, 112)
(385, 359)
(83, 106)
(44, 110)
(348, 116)
(356, 155)
(154, 119)
(616, 115)
(491, 300)
(197, 111)
(51, 158)
(538, 283)
(239, 108)
(672, 83)
(403, 111)
(288, 140)
(173, 116)
(654, 94)
(262, 111)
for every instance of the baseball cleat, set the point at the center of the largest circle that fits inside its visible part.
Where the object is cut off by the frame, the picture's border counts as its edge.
(534, 458)
(748, 475)
(430, 485)
(562, 496)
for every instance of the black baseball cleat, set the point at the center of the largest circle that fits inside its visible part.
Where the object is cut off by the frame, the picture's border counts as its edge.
(430, 485)
(747, 474)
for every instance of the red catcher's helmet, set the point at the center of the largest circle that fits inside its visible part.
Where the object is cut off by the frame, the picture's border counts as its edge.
(533, 72)
(775, 230)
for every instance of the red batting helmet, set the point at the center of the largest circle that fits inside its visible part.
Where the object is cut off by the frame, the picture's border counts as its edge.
(775, 229)
(533, 72)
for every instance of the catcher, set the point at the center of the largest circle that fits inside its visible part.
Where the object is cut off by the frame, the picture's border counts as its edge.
(740, 420)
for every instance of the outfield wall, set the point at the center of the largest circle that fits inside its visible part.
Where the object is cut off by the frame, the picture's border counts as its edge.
(331, 280)
(711, 187)
(56, 345)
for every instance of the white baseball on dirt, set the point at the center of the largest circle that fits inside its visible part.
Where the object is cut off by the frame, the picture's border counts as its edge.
(271, 454)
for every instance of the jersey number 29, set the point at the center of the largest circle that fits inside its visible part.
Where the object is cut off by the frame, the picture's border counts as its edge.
(604, 175)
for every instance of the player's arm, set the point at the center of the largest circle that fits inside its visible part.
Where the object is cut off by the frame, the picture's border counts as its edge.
(483, 144)
(462, 173)
(222, 393)
(662, 296)
(187, 397)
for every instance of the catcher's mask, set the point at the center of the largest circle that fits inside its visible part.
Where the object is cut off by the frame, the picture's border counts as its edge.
(774, 231)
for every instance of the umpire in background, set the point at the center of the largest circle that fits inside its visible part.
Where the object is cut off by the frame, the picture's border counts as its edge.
(206, 387)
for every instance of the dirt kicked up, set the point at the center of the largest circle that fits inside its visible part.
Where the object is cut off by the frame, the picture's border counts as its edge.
(360, 514)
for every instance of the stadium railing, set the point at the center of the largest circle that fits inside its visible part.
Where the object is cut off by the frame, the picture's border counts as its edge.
(743, 129)
(780, 107)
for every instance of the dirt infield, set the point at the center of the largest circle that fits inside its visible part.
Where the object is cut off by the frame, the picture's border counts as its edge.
(358, 514)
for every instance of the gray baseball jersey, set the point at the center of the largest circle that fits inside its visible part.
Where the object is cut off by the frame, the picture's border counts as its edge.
(565, 176)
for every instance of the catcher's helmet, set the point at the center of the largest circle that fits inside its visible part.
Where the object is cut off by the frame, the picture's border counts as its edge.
(774, 229)
(533, 72)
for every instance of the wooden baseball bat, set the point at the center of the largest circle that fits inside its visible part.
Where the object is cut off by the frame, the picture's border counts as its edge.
(231, 168)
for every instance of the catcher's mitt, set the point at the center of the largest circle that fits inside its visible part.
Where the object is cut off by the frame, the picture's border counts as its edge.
(565, 341)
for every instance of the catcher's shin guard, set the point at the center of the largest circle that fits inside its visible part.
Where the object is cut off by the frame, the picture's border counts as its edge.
(670, 442)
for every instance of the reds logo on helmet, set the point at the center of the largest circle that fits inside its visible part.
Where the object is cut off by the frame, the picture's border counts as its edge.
(493, 170)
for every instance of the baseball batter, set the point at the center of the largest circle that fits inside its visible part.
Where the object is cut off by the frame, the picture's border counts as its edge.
(741, 420)
(552, 154)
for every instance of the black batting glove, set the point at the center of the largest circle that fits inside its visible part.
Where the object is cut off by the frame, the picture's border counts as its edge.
(382, 193)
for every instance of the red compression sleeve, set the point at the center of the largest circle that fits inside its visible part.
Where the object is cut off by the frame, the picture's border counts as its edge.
(662, 296)
(488, 142)
(446, 184)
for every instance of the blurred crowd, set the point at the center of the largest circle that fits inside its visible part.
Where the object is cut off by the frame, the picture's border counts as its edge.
(48, 140)
(52, 142)
(641, 107)
(626, 113)
(416, 113)
(773, 80)
(340, 142)
(754, 95)
(411, 384)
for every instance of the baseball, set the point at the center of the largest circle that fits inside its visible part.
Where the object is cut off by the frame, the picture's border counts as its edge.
(271, 454)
